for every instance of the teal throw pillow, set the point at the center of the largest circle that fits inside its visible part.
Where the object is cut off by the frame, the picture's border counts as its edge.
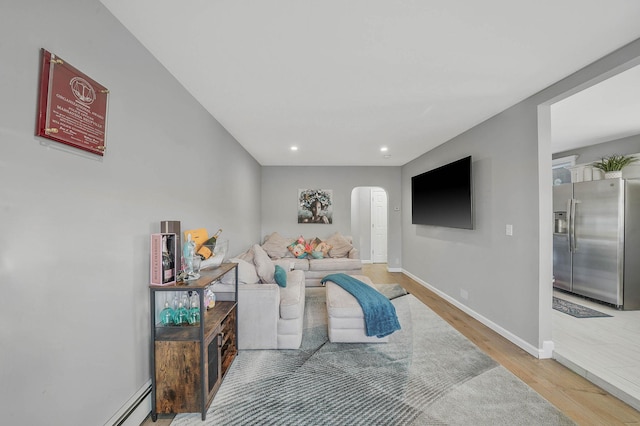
(281, 276)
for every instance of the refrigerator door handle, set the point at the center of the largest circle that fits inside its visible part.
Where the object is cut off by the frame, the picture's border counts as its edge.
(569, 223)
(574, 242)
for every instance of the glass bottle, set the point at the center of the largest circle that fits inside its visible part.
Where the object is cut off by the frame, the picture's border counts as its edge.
(194, 314)
(209, 298)
(206, 250)
(166, 315)
(167, 261)
(175, 301)
(185, 300)
(180, 315)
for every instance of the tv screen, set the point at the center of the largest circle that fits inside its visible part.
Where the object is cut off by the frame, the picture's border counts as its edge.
(443, 196)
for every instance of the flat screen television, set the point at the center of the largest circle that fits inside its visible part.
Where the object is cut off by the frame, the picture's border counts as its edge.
(444, 196)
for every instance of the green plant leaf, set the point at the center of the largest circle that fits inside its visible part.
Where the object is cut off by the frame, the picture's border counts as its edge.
(614, 162)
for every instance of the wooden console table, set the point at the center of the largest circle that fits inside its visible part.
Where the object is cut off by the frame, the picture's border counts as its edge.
(189, 362)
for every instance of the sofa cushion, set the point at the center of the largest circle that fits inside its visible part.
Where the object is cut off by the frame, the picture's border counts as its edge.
(246, 273)
(292, 295)
(276, 245)
(340, 245)
(299, 264)
(264, 266)
(334, 264)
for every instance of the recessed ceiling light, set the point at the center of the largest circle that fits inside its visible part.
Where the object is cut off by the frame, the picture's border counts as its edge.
(294, 148)
(384, 149)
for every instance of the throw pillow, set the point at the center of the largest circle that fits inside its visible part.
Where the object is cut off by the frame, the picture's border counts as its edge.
(297, 250)
(317, 254)
(264, 266)
(314, 243)
(323, 248)
(247, 256)
(340, 245)
(280, 275)
(246, 273)
(275, 245)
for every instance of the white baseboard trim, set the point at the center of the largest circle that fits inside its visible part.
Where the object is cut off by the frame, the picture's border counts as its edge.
(394, 269)
(366, 262)
(135, 410)
(536, 352)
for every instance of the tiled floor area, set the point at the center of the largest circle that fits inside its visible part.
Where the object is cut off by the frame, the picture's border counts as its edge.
(604, 350)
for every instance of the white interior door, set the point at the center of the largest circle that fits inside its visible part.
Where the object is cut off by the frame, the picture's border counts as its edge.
(378, 225)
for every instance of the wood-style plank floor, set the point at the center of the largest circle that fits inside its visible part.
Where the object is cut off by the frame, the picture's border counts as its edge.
(579, 399)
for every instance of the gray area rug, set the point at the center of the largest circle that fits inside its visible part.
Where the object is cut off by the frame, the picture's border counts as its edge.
(576, 310)
(427, 374)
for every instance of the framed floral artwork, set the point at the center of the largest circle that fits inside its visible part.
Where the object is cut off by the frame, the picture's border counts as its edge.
(315, 206)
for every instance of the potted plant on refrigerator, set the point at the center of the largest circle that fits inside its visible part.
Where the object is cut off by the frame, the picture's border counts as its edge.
(612, 166)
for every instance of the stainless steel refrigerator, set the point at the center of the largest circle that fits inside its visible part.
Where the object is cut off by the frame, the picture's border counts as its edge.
(596, 240)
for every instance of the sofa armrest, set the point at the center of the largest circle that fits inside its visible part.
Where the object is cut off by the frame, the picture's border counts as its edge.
(295, 275)
(258, 314)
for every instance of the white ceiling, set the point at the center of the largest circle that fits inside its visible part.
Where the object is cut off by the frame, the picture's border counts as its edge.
(606, 111)
(341, 79)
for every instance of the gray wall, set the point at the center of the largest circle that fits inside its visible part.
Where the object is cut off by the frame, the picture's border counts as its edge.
(498, 273)
(502, 275)
(588, 154)
(74, 262)
(279, 200)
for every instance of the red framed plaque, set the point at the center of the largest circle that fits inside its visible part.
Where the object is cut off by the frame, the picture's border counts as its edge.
(72, 107)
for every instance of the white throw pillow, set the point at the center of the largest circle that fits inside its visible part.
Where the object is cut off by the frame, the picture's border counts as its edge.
(246, 273)
(340, 246)
(276, 245)
(265, 268)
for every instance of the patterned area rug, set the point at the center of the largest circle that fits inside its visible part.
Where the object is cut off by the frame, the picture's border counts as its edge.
(427, 374)
(576, 310)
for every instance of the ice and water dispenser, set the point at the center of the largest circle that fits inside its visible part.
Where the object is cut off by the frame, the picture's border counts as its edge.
(560, 222)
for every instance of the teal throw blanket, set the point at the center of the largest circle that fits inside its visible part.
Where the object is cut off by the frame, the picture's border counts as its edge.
(380, 317)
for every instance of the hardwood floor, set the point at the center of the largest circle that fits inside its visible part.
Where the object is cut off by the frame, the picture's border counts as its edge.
(581, 400)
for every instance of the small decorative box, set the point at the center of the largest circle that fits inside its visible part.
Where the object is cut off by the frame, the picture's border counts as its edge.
(163, 262)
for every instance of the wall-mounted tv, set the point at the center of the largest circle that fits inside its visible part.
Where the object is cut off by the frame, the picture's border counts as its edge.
(444, 196)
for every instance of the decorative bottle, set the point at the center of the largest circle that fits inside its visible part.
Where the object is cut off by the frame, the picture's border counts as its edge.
(167, 262)
(166, 315)
(180, 315)
(206, 250)
(194, 314)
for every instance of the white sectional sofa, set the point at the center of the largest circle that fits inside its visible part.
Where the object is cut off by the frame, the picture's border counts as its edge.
(270, 315)
(342, 257)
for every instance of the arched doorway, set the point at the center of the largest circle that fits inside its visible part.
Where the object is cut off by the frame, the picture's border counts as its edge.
(369, 223)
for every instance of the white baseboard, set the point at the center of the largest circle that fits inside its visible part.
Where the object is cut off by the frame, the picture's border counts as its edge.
(536, 352)
(135, 410)
(394, 269)
(366, 262)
